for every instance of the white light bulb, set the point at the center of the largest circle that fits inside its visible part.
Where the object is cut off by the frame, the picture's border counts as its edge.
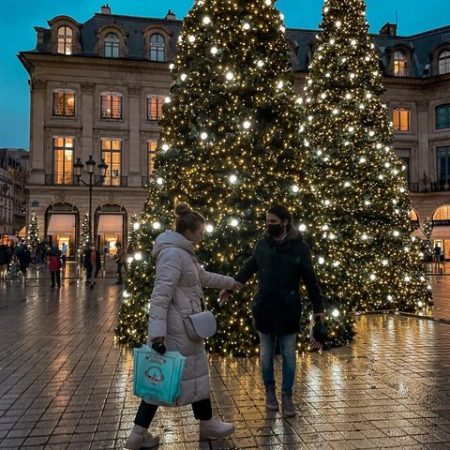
(183, 77)
(268, 2)
(362, 160)
(389, 297)
(338, 24)
(209, 228)
(171, 66)
(385, 262)
(203, 135)
(419, 304)
(234, 223)
(191, 38)
(247, 124)
(229, 76)
(373, 277)
(302, 227)
(295, 188)
(214, 50)
(165, 147)
(282, 29)
(353, 42)
(321, 260)
(246, 26)
(138, 256)
(396, 233)
(260, 63)
(281, 16)
(232, 179)
(130, 259)
(407, 278)
(160, 181)
(335, 312)
(136, 226)
(156, 225)
(206, 20)
(126, 294)
(167, 100)
(280, 85)
(364, 237)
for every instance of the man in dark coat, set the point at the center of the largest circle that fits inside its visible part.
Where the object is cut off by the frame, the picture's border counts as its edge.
(5, 259)
(92, 264)
(281, 260)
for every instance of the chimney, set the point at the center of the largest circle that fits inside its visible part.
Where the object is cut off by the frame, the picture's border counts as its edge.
(170, 15)
(389, 29)
(105, 9)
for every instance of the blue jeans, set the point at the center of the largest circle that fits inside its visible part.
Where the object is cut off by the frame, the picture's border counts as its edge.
(267, 350)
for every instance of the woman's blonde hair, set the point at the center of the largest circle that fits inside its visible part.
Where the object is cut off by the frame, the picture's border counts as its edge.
(187, 219)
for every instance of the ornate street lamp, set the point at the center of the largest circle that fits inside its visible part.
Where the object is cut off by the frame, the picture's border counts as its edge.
(90, 164)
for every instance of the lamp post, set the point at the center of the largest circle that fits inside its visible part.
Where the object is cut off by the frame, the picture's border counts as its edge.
(90, 165)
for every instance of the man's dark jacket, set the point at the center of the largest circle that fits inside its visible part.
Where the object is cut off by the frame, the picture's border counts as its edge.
(280, 266)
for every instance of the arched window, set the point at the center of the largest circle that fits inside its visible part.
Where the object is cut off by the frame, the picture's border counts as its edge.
(444, 62)
(442, 214)
(400, 64)
(112, 45)
(65, 40)
(157, 47)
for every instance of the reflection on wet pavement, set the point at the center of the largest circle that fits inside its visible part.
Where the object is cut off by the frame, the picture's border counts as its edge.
(65, 384)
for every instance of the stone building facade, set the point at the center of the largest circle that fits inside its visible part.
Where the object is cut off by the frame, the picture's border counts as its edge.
(97, 89)
(13, 172)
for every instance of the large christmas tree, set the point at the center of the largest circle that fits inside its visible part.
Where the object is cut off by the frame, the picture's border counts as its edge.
(361, 230)
(230, 147)
(33, 232)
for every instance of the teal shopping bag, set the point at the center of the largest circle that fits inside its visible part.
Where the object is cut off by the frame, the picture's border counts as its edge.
(157, 378)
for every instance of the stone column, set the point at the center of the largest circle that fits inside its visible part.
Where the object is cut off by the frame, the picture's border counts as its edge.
(37, 131)
(424, 154)
(86, 146)
(134, 150)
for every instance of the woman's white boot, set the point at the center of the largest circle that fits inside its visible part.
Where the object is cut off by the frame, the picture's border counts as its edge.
(215, 429)
(140, 438)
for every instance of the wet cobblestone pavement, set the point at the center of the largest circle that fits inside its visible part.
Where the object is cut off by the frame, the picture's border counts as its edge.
(64, 384)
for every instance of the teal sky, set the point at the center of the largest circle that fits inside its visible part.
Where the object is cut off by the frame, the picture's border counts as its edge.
(18, 17)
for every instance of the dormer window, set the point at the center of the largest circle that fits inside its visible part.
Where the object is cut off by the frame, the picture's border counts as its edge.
(400, 64)
(112, 45)
(65, 40)
(444, 62)
(157, 47)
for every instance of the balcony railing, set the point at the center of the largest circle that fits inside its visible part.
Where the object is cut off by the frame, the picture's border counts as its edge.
(53, 180)
(441, 186)
(441, 223)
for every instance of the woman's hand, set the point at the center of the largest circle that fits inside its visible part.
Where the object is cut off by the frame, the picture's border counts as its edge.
(158, 345)
(225, 294)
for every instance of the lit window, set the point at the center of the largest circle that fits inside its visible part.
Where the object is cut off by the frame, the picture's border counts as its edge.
(155, 107)
(402, 119)
(111, 106)
(400, 64)
(111, 153)
(443, 117)
(64, 103)
(444, 62)
(112, 45)
(63, 160)
(157, 48)
(413, 216)
(443, 213)
(65, 39)
(151, 150)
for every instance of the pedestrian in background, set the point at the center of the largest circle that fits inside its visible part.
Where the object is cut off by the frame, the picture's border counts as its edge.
(64, 250)
(120, 261)
(92, 264)
(5, 259)
(54, 265)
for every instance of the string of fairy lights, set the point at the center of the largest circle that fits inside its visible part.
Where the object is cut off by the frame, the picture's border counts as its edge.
(235, 139)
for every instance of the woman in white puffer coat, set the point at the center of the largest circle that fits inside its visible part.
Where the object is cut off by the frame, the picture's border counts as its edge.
(177, 293)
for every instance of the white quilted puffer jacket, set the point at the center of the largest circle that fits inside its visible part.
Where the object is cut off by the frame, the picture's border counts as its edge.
(179, 281)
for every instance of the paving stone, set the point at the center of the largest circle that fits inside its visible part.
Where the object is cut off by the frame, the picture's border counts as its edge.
(65, 384)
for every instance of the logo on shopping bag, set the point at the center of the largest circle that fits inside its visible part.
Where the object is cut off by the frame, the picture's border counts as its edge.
(155, 375)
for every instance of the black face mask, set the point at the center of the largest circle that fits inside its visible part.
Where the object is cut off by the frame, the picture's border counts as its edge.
(275, 230)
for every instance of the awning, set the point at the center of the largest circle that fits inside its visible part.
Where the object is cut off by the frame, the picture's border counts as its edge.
(419, 233)
(61, 224)
(441, 233)
(23, 232)
(110, 223)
